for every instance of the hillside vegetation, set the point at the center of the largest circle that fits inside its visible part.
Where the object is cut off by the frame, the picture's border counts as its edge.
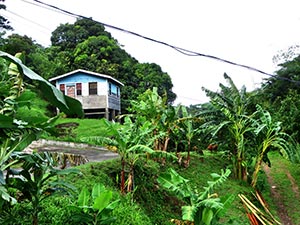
(148, 204)
(164, 173)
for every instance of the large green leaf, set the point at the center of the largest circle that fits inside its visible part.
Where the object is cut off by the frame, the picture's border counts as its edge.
(6, 122)
(26, 139)
(188, 212)
(68, 105)
(113, 204)
(207, 216)
(97, 190)
(175, 183)
(83, 199)
(103, 200)
(5, 195)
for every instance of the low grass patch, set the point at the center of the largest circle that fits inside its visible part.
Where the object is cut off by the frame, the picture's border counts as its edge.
(86, 128)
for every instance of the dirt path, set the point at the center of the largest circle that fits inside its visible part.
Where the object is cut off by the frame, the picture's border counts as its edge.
(282, 212)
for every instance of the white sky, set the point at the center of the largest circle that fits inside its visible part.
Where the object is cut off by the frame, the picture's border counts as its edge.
(246, 32)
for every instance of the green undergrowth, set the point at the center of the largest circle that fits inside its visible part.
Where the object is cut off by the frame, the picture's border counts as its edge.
(152, 202)
(148, 204)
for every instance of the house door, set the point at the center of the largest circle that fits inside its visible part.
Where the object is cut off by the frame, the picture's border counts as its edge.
(71, 90)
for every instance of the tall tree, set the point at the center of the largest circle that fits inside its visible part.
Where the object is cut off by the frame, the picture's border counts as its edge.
(4, 23)
(151, 75)
(287, 78)
(85, 44)
(17, 43)
(282, 93)
(36, 57)
(67, 36)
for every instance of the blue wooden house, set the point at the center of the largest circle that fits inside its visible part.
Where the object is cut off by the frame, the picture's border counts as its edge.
(99, 94)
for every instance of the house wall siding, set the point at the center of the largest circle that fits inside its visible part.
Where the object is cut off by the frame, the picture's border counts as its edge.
(85, 89)
(93, 101)
(102, 88)
(114, 102)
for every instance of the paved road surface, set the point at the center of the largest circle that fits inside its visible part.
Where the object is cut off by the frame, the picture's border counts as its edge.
(92, 153)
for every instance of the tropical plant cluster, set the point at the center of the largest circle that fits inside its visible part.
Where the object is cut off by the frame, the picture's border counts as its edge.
(241, 128)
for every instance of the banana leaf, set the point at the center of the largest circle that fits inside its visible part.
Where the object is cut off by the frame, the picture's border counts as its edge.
(66, 104)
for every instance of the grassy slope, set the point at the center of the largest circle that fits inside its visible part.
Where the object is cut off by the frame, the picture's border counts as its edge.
(86, 128)
(153, 201)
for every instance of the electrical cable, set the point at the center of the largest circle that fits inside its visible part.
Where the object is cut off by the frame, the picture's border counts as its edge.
(179, 49)
(31, 21)
(45, 6)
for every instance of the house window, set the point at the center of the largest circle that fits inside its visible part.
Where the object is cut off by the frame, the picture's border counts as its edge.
(118, 91)
(62, 88)
(78, 89)
(92, 88)
(109, 88)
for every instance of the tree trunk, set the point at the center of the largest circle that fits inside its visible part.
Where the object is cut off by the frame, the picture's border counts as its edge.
(34, 220)
(35, 217)
(166, 144)
(123, 176)
(189, 152)
(130, 186)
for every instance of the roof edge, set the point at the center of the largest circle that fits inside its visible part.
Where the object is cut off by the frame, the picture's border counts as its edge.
(87, 72)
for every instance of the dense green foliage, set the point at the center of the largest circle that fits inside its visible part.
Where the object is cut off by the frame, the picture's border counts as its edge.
(249, 135)
(4, 23)
(18, 130)
(86, 45)
(201, 207)
(280, 95)
(31, 182)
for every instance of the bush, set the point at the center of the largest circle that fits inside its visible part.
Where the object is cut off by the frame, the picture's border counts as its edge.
(53, 211)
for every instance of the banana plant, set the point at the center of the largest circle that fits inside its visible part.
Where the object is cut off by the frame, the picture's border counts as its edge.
(188, 129)
(132, 140)
(33, 179)
(154, 109)
(94, 207)
(203, 208)
(17, 133)
(229, 120)
(127, 138)
(268, 133)
(69, 105)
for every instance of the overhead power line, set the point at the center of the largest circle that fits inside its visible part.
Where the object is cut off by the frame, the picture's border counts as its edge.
(28, 20)
(49, 7)
(179, 49)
